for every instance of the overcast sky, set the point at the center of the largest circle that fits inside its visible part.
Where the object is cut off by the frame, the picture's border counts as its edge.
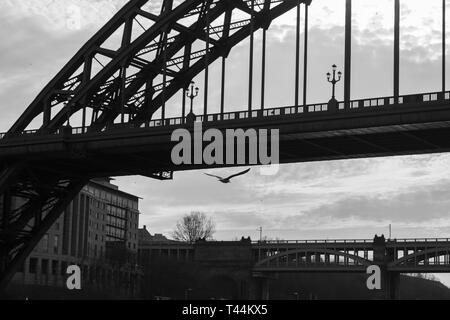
(339, 199)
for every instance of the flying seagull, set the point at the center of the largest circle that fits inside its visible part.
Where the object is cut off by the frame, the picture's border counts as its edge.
(228, 180)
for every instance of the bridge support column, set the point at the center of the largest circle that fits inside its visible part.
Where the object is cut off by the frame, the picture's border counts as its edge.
(389, 280)
(260, 288)
(390, 283)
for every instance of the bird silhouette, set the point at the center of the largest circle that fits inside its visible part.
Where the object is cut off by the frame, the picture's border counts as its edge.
(228, 180)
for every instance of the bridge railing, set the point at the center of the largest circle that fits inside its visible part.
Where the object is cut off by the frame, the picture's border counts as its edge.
(390, 101)
(420, 240)
(283, 242)
(168, 243)
(312, 108)
(348, 241)
(276, 112)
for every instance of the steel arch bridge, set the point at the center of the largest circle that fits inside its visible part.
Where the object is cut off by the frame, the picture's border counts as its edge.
(108, 95)
(396, 255)
(263, 259)
(134, 81)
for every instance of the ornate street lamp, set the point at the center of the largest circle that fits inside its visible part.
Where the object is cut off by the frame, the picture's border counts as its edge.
(334, 80)
(333, 104)
(192, 93)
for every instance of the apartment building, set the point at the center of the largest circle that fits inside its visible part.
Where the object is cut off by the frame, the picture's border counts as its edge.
(98, 232)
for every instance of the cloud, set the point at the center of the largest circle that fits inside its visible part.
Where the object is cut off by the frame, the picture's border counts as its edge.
(326, 196)
(341, 198)
(58, 14)
(29, 58)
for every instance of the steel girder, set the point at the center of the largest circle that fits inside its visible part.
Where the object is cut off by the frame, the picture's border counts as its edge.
(125, 88)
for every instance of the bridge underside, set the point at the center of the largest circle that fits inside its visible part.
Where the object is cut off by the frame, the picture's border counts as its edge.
(356, 133)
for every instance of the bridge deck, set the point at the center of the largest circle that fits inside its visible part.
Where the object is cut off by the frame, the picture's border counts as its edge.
(371, 128)
(397, 255)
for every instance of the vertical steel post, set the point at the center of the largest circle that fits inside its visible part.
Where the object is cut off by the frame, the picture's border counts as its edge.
(222, 88)
(183, 107)
(123, 75)
(397, 50)
(297, 56)
(226, 32)
(87, 70)
(263, 69)
(167, 6)
(305, 62)
(126, 40)
(252, 40)
(443, 44)
(205, 101)
(348, 52)
(163, 111)
(83, 121)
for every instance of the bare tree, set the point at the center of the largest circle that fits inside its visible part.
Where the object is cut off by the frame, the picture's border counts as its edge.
(193, 227)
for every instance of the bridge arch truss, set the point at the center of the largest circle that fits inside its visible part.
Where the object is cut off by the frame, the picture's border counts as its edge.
(306, 256)
(104, 84)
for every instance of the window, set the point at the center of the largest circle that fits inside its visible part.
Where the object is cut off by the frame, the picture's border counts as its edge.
(45, 243)
(33, 265)
(54, 267)
(55, 244)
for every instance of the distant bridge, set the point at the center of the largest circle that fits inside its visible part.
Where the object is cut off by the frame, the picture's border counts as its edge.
(262, 258)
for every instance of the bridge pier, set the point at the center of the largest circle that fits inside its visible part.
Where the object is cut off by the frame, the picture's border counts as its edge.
(260, 288)
(389, 280)
(390, 285)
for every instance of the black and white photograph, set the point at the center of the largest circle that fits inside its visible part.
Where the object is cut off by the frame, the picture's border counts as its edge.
(224, 154)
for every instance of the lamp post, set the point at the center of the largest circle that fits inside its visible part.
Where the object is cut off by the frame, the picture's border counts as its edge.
(333, 104)
(192, 93)
(260, 229)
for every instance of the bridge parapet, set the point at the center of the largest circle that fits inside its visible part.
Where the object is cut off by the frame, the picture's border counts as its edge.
(369, 104)
(406, 255)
